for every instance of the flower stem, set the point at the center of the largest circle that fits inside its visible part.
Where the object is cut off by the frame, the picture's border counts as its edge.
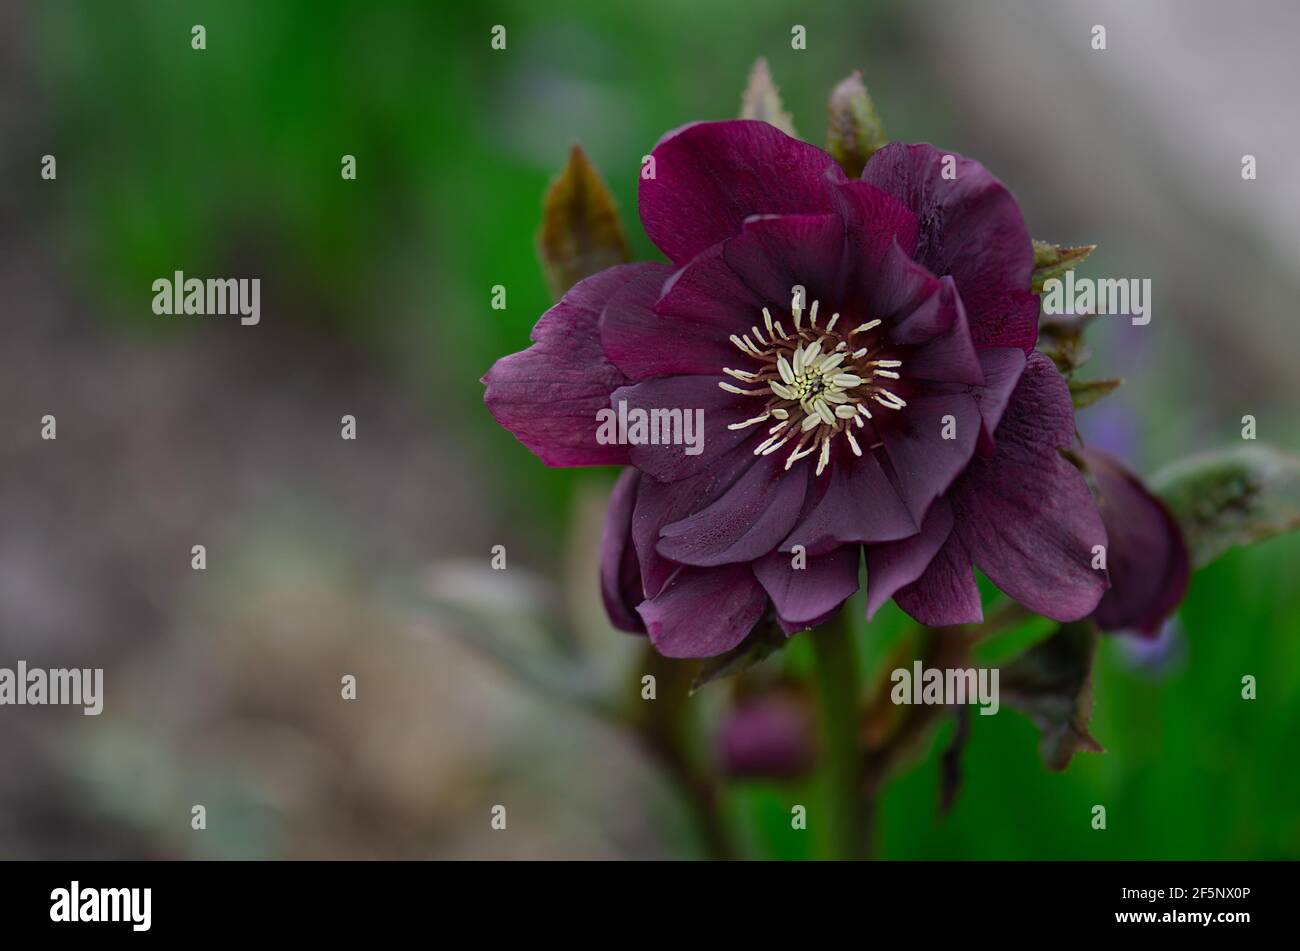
(836, 667)
(664, 728)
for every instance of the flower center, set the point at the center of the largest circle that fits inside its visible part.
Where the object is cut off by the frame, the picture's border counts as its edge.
(817, 383)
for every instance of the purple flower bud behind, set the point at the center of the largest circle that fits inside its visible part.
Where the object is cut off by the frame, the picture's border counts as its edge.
(767, 737)
(1147, 557)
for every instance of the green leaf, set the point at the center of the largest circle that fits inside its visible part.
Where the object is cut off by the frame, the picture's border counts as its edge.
(1086, 392)
(1045, 253)
(581, 233)
(1062, 340)
(1231, 497)
(853, 129)
(765, 640)
(760, 100)
(1053, 260)
(1051, 683)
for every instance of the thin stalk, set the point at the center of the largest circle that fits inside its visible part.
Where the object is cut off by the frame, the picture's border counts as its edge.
(664, 726)
(835, 657)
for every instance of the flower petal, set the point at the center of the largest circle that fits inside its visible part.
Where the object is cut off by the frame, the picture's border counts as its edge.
(1024, 513)
(874, 223)
(709, 177)
(929, 312)
(708, 292)
(773, 253)
(897, 288)
(1148, 560)
(549, 394)
(802, 595)
(620, 574)
(643, 344)
(855, 503)
(894, 565)
(660, 503)
(949, 356)
(946, 592)
(794, 627)
(747, 522)
(1002, 367)
(703, 612)
(970, 227)
(727, 286)
(688, 395)
(928, 445)
(878, 278)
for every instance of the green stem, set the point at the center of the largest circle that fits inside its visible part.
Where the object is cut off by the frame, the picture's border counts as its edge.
(664, 726)
(836, 666)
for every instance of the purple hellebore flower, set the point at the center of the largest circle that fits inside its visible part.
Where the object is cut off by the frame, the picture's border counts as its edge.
(1148, 558)
(895, 407)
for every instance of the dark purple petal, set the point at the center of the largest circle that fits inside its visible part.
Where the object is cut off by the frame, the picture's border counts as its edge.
(894, 565)
(769, 737)
(1147, 557)
(747, 522)
(896, 289)
(549, 394)
(946, 592)
(1024, 513)
(1007, 318)
(794, 627)
(711, 176)
(1001, 367)
(660, 503)
(703, 612)
(971, 228)
(620, 574)
(876, 276)
(929, 574)
(772, 254)
(925, 316)
(802, 595)
(643, 344)
(874, 220)
(949, 356)
(922, 463)
(708, 292)
(686, 394)
(727, 286)
(875, 223)
(853, 502)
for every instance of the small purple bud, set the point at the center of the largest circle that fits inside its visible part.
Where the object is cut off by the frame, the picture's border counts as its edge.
(769, 737)
(1148, 559)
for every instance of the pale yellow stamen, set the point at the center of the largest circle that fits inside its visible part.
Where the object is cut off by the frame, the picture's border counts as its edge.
(816, 383)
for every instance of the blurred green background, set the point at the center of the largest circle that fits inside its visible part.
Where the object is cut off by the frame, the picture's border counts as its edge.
(223, 686)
